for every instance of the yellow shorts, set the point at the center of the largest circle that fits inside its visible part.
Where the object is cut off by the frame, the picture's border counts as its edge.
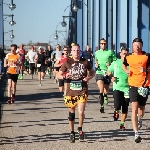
(72, 101)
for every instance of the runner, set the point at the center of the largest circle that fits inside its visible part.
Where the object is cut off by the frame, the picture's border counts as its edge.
(40, 60)
(55, 55)
(103, 58)
(59, 63)
(120, 88)
(12, 61)
(77, 89)
(139, 81)
(48, 53)
(31, 57)
(21, 52)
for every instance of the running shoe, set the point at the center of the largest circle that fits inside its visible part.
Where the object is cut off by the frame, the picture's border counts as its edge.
(21, 77)
(12, 98)
(81, 136)
(9, 101)
(72, 138)
(102, 109)
(122, 128)
(138, 139)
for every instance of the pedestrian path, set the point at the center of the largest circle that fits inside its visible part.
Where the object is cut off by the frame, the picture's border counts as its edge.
(38, 121)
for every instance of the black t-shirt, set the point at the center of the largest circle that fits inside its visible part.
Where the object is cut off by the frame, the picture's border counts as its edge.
(48, 53)
(41, 59)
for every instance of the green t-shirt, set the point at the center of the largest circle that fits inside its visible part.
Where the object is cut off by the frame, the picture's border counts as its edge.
(103, 57)
(121, 82)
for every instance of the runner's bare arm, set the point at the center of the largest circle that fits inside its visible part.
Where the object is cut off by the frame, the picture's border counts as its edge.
(5, 62)
(36, 58)
(57, 63)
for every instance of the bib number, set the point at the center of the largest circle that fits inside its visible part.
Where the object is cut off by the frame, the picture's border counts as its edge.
(38, 65)
(104, 72)
(126, 94)
(76, 85)
(143, 91)
(12, 64)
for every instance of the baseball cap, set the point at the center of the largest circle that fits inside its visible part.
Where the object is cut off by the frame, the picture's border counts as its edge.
(40, 47)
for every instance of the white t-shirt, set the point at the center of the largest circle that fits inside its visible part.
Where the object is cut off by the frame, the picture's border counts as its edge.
(31, 55)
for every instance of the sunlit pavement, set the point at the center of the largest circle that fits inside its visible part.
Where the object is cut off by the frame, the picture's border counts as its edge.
(38, 121)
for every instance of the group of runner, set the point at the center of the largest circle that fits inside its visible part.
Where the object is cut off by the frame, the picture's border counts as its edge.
(128, 72)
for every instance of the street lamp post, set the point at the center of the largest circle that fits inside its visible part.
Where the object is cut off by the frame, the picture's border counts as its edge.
(12, 6)
(12, 22)
(56, 35)
(11, 35)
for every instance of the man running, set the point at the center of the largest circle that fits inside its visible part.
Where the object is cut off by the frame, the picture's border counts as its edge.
(40, 60)
(77, 89)
(12, 61)
(31, 57)
(139, 81)
(120, 88)
(59, 63)
(103, 58)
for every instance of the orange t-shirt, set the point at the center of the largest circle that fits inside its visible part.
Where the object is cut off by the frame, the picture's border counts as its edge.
(135, 62)
(12, 60)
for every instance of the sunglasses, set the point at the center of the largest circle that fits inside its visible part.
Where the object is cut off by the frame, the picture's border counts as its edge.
(103, 43)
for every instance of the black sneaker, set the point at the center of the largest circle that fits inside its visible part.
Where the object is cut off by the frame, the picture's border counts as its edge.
(102, 109)
(9, 101)
(81, 136)
(138, 139)
(72, 138)
(122, 128)
(12, 98)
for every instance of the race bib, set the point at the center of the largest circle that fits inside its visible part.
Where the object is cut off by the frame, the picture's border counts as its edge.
(104, 72)
(38, 65)
(76, 85)
(12, 64)
(143, 91)
(126, 94)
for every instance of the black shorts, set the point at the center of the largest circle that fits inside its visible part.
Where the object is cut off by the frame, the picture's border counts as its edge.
(62, 81)
(41, 69)
(135, 97)
(13, 77)
(106, 78)
(49, 63)
(120, 100)
(32, 66)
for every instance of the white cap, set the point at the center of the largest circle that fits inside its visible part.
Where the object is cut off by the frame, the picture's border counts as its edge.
(40, 47)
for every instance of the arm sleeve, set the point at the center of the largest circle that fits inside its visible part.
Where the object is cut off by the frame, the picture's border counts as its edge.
(125, 62)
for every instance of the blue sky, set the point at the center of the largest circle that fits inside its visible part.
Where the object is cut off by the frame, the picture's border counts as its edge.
(36, 20)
